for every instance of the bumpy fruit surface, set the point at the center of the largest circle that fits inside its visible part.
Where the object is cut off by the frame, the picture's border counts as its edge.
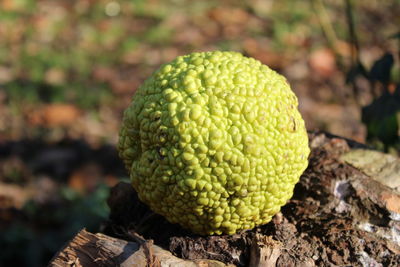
(214, 141)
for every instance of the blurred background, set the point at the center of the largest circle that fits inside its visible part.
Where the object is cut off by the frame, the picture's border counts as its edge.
(68, 68)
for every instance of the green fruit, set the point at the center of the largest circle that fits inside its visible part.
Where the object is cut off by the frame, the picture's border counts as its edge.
(214, 141)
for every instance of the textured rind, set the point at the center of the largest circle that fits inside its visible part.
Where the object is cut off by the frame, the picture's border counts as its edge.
(214, 141)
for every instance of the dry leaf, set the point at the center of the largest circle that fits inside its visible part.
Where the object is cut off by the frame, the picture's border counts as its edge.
(323, 62)
(54, 115)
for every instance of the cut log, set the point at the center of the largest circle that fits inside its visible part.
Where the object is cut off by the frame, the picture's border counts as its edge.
(345, 211)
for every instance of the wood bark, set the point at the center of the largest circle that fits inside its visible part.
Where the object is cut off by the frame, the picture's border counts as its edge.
(345, 211)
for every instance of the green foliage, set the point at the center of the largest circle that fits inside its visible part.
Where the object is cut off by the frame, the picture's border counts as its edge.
(382, 118)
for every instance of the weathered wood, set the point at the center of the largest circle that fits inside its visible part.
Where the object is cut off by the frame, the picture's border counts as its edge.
(264, 251)
(345, 211)
(92, 250)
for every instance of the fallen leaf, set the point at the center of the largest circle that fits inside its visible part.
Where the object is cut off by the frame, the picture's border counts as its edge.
(55, 76)
(85, 179)
(343, 48)
(6, 74)
(323, 62)
(226, 16)
(54, 115)
(111, 180)
(14, 195)
(125, 86)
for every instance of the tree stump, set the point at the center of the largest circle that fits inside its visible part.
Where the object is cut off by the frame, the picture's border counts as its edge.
(345, 211)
